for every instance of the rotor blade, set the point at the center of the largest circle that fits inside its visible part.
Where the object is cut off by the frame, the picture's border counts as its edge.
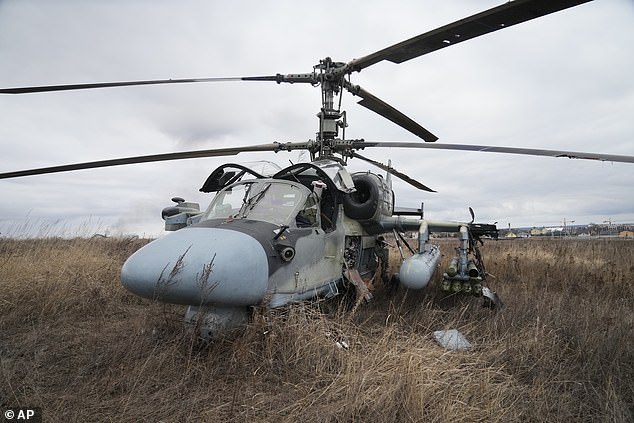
(494, 149)
(382, 108)
(500, 17)
(395, 172)
(45, 88)
(156, 158)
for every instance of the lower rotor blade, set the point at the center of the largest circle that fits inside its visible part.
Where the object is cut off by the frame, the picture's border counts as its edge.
(69, 87)
(395, 172)
(154, 158)
(379, 106)
(494, 149)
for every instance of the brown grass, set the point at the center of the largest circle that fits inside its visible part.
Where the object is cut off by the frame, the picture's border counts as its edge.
(75, 343)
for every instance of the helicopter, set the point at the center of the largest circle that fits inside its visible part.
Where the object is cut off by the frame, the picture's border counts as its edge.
(305, 231)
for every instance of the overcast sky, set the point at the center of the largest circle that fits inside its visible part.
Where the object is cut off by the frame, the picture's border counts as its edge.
(559, 82)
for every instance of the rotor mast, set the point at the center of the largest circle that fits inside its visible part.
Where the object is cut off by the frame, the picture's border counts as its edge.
(330, 116)
(330, 76)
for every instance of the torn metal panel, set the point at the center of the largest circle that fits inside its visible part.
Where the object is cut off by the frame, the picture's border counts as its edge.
(362, 286)
(451, 339)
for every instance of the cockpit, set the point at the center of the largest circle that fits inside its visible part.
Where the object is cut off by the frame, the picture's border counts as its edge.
(301, 195)
(279, 202)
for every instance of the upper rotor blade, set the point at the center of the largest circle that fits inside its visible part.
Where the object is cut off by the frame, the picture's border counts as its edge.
(509, 150)
(154, 158)
(500, 17)
(395, 172)
(68, 87)
(382, 108)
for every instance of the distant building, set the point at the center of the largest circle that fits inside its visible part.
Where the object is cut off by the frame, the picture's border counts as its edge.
(537, 232)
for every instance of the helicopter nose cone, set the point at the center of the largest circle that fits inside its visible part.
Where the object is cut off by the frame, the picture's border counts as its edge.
(199, 266)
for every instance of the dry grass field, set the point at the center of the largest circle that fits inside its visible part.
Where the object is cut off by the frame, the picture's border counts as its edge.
(75, 343)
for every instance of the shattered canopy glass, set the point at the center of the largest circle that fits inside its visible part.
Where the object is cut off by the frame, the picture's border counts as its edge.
(276, 202)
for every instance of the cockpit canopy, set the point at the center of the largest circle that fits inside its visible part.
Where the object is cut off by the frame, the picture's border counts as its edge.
(274, 201)
(287, 197)
(328, 171)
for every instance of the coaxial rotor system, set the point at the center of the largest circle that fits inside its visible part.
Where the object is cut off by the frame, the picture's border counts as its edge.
(333, 78)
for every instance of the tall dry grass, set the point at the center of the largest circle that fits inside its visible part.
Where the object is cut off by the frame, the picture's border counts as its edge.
(75, 343)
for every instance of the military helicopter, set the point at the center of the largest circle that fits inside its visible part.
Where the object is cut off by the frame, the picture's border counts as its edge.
(270, 238)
